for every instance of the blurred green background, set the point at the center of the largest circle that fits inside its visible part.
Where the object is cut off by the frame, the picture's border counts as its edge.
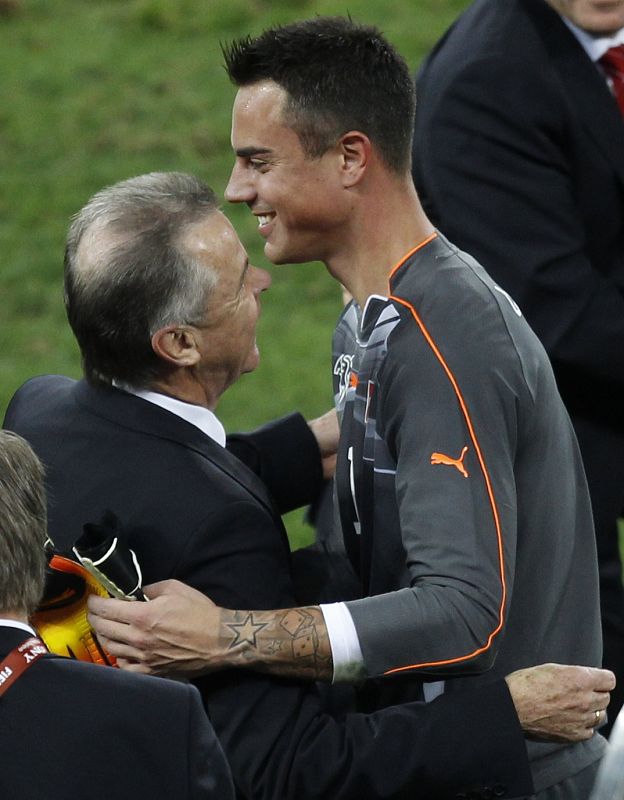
(94, 91)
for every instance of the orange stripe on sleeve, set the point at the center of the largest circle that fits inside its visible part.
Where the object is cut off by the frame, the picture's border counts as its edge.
(488, 484)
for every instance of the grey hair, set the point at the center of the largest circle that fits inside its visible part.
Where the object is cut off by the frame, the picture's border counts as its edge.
(127, 274)
(23, 523)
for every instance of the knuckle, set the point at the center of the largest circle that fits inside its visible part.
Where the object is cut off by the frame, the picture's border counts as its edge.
(141, 618)
(142, 643)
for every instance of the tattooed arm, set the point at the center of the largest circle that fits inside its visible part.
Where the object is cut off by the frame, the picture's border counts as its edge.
(183, 633)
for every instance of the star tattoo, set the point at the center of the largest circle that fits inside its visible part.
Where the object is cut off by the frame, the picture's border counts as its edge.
(245, 631)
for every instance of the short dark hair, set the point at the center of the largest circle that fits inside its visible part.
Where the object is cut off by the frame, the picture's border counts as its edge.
(23, 524)
(127, 274)
(339, 76)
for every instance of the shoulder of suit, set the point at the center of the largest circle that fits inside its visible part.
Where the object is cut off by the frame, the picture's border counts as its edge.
(100, 678)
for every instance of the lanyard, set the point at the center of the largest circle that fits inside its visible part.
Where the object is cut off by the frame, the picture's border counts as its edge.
(18, 661)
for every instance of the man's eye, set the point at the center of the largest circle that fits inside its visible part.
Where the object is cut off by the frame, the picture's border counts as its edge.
(256, 164)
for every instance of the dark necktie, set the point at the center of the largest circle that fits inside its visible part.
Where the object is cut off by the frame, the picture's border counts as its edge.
(613, 64)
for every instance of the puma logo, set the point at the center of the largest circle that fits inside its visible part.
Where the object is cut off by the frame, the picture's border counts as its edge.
(440, 458)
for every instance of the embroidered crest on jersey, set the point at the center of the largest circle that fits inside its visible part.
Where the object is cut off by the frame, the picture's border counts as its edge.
(342, 370)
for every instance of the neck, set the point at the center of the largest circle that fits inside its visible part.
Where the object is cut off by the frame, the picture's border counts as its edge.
(181, 385)
(386, 224)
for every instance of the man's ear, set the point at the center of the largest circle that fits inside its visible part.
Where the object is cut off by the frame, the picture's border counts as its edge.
(177, 345)
(355, 150)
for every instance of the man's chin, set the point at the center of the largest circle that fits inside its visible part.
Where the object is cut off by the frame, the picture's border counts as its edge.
(276, 256)
(602, 23)
(599, 30)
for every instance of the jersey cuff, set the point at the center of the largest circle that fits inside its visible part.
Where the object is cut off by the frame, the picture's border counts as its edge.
(345, 645)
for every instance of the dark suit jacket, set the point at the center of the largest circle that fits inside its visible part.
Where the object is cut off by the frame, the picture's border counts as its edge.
(519, 159)
(194, 512)
(73, 730)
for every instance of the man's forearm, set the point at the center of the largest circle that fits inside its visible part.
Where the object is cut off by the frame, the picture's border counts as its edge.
(288, 642)
(181, 632)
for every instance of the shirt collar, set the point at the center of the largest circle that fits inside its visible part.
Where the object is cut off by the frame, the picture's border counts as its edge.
(595, 47)
(14, 623)
(200, 417)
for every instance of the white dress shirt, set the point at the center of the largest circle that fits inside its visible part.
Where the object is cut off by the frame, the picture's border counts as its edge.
(199, 416)
(595, 46)
(14, 623)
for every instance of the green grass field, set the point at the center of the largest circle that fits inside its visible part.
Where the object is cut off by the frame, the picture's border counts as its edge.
(94, 91)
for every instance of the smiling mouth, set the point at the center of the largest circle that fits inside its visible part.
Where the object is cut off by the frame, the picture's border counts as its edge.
(264, 219)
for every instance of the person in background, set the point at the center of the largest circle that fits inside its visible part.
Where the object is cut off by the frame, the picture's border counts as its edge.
(518, 158)
(70, 729)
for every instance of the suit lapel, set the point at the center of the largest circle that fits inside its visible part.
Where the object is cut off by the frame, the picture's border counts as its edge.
(582, 82)
(140, 415)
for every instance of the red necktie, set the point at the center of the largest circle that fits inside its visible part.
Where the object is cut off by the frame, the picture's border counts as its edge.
(613, 64)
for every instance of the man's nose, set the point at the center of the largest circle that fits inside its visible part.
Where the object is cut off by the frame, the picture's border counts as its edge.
(238, 189)
(262, 280)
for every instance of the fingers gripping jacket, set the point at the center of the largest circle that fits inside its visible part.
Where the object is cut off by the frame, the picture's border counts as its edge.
(104, 566)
